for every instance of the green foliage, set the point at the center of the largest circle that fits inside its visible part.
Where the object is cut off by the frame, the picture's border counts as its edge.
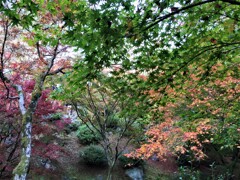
(87, 136)
(135, 131)
(72, 127)
(127, 162)
(153, 173)
(55, 117)
(93, 155)
(186, 173)
(47, 139)
(113, 122)
(166, 44)
(157, 40)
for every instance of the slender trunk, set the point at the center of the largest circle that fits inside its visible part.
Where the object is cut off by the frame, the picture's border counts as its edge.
(109, 154)
(109, 175)
(20, 172)
(111, 157)
(110, 170)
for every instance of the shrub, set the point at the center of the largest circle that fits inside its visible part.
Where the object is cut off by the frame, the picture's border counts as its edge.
(186, 173)
(72, 127)
(55, 116)
(127, 162)
(112, 122)
(93, 155)
(86, 136)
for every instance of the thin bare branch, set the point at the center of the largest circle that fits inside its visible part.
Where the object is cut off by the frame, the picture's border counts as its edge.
(162, 18)
(50, 65)
(3, 47)
(38, 50)
(60, 70)
(63, 49)
(92, 102)
(231, 2)
(83, 120)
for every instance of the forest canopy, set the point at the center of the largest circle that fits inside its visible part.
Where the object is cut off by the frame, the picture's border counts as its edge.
(167, 69)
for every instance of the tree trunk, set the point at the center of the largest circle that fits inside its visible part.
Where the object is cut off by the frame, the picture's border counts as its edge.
(109, 175)
(109, 154)
(20, 172)
(110, 169)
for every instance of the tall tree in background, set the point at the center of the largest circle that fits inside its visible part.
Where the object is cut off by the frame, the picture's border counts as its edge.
(104, 113)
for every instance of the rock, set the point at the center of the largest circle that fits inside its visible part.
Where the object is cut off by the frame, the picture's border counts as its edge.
(46, 163)
(65, 178)
(9, 140)
(155, 158)
(99, 177)
(135, 173)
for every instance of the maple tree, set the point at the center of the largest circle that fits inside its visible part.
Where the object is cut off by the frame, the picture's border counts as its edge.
(203, 116)
(167, 42)
(11, 128)
(154, 45)
(102, 113)
(159, 39)
(28, 57)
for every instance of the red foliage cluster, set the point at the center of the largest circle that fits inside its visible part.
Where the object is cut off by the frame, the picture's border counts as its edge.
(62, 123)
(45, 150)
(46, 106)
(42, 127)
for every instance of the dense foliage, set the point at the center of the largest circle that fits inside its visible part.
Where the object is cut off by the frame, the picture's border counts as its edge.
(165, 54)
(169, 69)
(94, 155)
(86, 136)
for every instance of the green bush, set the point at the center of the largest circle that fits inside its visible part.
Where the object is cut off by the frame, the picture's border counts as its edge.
(86, 136)
(72, 127)
(55, 116)
(187, 173)
(112, 122)
(127, 162)
(93, 155)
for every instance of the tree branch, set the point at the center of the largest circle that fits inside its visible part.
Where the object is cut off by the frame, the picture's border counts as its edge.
(60, 70)
(63, 49)
(159, 19)
(51, 62)
(3, 47)
(2, 77)
(95, 109)
(231, 2)
(38, 50)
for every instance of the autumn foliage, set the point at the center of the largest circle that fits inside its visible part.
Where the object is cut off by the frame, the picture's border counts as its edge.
(10, 127)
(199, 116)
